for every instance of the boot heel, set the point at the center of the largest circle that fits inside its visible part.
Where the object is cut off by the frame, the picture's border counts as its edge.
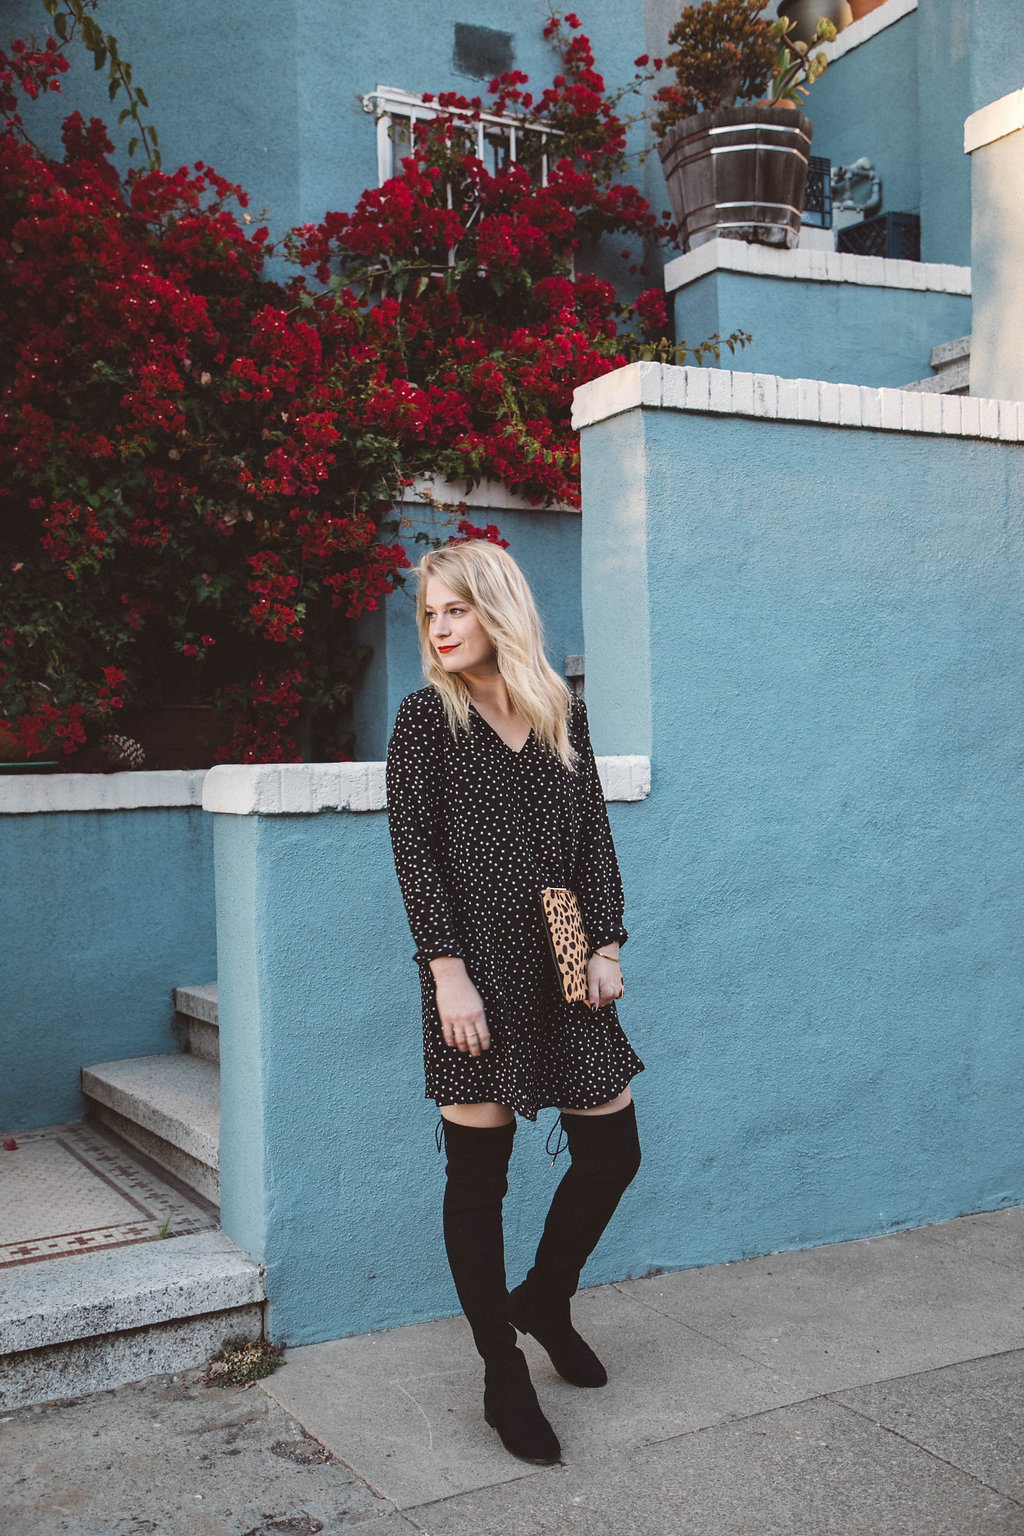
(571, 1355)
(512, 1410)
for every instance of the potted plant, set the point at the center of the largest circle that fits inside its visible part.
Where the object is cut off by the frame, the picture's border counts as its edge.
(737, 171)
(804, 14)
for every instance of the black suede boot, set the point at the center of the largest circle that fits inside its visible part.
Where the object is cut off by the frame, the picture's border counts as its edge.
(605, 1152)
(477, 1172)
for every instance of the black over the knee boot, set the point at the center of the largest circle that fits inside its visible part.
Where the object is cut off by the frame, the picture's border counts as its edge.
(477, 1172)
(605, 1152)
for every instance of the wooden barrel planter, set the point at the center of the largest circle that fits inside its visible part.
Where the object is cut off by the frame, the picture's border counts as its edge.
(739, 173)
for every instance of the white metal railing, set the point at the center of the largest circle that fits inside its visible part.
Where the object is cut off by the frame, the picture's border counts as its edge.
(498, 137)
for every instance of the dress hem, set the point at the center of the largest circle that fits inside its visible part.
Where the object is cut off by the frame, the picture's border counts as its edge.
(525, 1113)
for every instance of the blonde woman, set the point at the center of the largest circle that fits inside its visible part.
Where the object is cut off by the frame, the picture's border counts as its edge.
(493, 794)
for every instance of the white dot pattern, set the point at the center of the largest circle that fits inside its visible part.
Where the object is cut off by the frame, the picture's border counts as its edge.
(477, 831)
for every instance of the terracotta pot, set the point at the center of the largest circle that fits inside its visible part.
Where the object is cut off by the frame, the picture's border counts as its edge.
(738, 174)
(864, 7)
(805, 14)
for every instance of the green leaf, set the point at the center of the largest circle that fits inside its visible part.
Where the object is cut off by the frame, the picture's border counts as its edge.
(99, 58)
(133, 145)
(50, 6)
(126, 112)
(60, 24)
(114, 87)
(140, 97)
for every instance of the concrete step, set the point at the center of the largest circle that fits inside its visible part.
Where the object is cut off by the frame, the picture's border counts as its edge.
(196, 1018)
(952, 364)
(88, 1323)
(166, 1106)
(951, 352)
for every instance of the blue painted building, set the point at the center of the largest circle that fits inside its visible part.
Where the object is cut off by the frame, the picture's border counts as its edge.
(287, 101)
(797, 589)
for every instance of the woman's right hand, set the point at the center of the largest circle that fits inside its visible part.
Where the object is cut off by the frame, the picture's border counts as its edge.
(459, 1006)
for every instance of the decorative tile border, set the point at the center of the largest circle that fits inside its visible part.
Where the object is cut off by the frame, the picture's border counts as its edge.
(718, 391)
(810, 266)
(114, 1169)
(868, 27)
(32, 793)
(305, 789)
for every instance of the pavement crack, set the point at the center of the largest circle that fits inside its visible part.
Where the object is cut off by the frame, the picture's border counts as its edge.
(698, 1332)
(944, 1461)
(423, 1411)
(731, 1419)
(519, 1477)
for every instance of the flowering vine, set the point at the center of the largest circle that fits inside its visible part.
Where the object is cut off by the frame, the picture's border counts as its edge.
(200, 466)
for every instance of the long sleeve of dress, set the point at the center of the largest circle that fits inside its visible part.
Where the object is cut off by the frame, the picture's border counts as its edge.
(598, 882)
(414, 818)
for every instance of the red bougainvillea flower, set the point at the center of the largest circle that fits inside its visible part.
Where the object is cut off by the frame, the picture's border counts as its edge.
(199, 467)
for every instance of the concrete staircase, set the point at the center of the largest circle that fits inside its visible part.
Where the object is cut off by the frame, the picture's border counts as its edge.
(169, 1106)
(951, 369)
(95, 1320)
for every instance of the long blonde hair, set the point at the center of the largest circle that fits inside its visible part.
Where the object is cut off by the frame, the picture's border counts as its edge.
(487, 578)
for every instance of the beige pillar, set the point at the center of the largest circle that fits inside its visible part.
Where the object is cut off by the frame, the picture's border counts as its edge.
(994, 139)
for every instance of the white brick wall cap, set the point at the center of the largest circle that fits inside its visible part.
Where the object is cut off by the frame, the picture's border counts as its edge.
(489, 495)
(868, 27)
(995, 121)
(719, 392)
(815, 267)
(304, 789)
(30, 793)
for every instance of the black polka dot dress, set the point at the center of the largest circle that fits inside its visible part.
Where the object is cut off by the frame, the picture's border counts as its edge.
(477, 831)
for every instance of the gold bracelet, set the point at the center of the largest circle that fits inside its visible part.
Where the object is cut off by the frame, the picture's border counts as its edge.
(614, 958)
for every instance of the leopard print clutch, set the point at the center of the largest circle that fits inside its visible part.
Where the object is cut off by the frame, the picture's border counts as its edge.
(570, 948)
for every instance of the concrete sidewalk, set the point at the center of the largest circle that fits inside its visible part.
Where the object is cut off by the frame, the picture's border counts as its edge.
(864, 1389)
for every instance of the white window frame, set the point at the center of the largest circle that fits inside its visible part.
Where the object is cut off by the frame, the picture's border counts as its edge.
(388, 102)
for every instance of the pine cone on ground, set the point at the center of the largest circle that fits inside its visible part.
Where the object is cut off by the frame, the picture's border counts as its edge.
(123, 751)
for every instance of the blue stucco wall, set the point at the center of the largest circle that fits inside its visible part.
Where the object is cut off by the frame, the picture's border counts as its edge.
(329, 1171)
(816, 633)
(901, 99)
(104, 912)
(271, 94)
(970, 53)
(827, 883)
(546, 544)
(841, 332)
(866, 104)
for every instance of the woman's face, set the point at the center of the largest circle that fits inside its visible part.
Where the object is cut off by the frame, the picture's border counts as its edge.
(460, 641)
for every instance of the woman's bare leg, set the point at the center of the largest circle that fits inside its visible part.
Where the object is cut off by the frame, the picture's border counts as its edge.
(619, 1102)
(485, 1115)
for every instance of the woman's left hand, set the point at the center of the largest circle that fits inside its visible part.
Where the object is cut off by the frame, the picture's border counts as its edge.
(604, 981)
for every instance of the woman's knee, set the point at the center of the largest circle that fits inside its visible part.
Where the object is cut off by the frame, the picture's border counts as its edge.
(611, 1108)
(482, 1115)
